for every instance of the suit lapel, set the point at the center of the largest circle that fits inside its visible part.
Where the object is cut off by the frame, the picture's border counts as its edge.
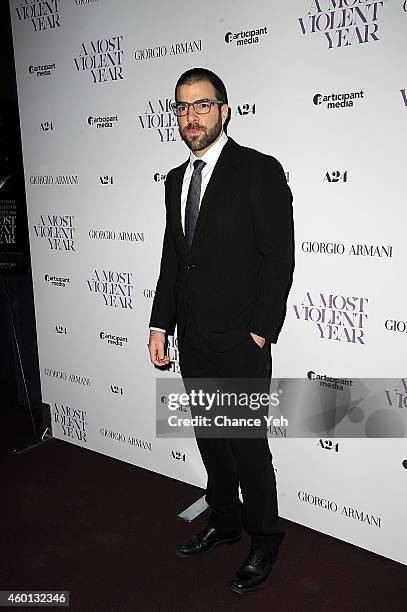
(223, 175)
(176, 204)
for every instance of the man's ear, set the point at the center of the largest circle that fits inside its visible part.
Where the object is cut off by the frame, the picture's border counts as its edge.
(225, 120)
(225, 112)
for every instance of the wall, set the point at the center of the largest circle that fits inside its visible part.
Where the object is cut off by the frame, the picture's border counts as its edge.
(96, 217)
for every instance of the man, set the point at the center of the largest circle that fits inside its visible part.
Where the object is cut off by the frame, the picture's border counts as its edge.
(226, 271)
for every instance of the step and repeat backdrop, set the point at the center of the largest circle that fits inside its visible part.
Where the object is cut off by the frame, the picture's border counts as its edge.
(321, 85)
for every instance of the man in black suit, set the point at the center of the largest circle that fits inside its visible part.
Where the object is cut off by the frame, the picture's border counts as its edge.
(226, 270)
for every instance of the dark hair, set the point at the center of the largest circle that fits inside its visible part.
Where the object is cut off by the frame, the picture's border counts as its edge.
(193, 75)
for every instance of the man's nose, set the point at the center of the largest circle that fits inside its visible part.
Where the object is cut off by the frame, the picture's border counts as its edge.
(192, 115)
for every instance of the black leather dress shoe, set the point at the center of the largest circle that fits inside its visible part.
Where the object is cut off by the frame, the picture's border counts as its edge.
(204, 541)
(253, 572)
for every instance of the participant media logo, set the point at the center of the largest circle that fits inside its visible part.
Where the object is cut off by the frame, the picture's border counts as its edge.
(42, 14)
(245, 37)
(338, 100)
(343, 22)
(57, 281)
(330, 382)
(335, 317)
(41, 70)
(113, 339)
(102, 58)
(103, 122)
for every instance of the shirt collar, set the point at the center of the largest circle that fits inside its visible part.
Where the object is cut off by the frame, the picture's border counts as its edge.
(212, 155)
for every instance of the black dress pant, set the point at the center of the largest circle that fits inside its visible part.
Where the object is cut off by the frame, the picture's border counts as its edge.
(231, 462)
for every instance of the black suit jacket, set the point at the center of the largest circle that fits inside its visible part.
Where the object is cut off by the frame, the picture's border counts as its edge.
(238, 273)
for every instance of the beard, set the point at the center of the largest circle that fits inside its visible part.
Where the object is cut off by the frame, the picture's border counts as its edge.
(205, 139)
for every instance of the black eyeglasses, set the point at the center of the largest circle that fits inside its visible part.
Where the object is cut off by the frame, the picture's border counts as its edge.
(201, 107)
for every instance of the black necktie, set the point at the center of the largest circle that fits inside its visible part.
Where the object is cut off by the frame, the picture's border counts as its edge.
(192, 205)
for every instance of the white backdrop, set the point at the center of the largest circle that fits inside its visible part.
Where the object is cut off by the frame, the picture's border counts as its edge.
(94, 81)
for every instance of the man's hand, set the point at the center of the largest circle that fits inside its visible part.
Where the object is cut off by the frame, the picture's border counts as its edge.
(258, 339)
(156, 348)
